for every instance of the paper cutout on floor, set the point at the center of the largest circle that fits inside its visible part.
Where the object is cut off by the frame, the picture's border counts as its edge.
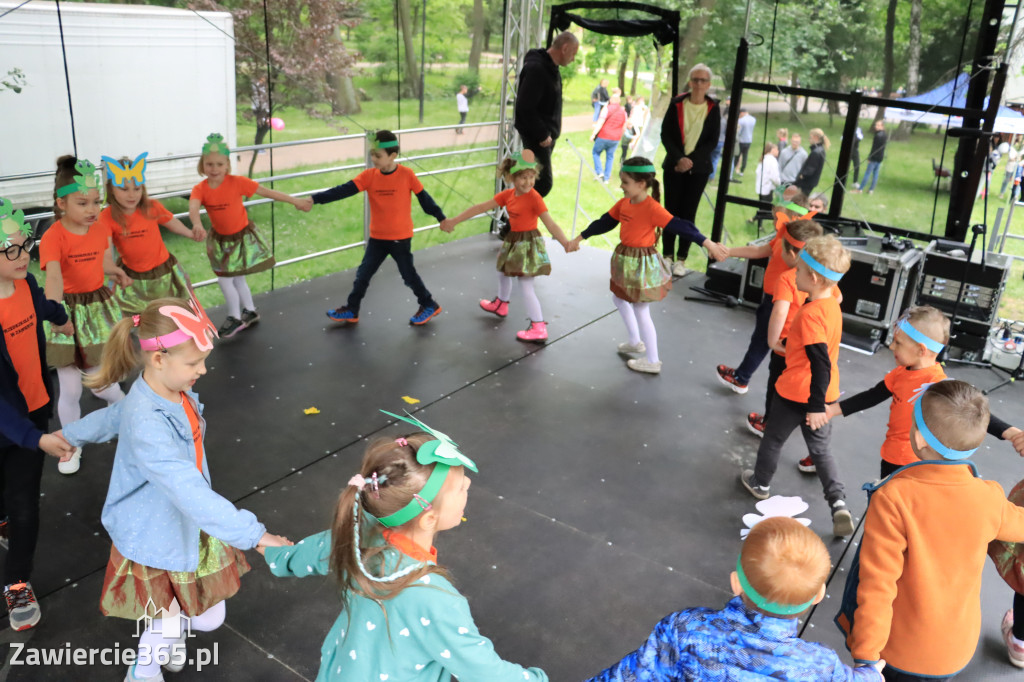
(311, 410)
(777, 505)
(410, 400)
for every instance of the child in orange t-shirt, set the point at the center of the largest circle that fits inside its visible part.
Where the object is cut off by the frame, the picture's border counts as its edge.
(233, 245)
(792, 206)
(26, 406)
(810, 380)
(134, 220)
(522, 254)
(76, 253)
(388, 186)
(639, 274)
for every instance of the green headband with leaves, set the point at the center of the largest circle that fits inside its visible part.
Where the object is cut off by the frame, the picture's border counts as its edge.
(215, 145)
(87, 179)
(519, 164)
(377, 143)
(12, 222)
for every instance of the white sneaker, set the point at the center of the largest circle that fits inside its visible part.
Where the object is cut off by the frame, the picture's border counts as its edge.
(72, 465)
(842, 520)
(176, 655)
(644, 365)
(130, 677)
(627, 348)
(679, 269)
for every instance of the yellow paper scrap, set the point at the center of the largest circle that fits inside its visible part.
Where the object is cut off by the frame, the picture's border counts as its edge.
(411, 401)
(311, 410)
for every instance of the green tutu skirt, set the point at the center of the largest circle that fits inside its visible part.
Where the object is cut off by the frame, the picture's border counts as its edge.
(241, 253)
(640, 275)
(1009, 556)
(128, 586)
(523, 255)
(166, 279)
(93, 315)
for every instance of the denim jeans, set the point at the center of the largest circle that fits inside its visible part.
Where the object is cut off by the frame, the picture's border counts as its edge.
(377, 250)
(607, 147)
(716, 156)
(597, 110)
(872, 171)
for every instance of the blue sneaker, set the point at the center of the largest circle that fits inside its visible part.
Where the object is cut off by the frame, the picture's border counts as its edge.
(424, 314)
(343, 314)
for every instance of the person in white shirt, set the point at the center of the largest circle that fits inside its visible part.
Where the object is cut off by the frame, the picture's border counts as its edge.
(766, 179)
(462, 104)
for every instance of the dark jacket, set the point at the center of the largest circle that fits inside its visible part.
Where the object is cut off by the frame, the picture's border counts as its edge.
(809, 175)
(15, 426)
(539, 98)
(672, 137)
(878, 146)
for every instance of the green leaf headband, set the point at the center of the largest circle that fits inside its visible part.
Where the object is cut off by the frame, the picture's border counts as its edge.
(215, 145)
(764, 604)
(443, 453)
(520, 164)
(796, 208)
(648, 168)
(12, 222)
(88, 179)
(377, 143)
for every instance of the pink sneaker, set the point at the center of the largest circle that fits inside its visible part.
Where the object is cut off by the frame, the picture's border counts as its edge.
(1014, 650)
(496, 306)
(537, 332)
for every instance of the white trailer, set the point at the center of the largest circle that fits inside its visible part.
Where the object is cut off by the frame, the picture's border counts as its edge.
(139, 79)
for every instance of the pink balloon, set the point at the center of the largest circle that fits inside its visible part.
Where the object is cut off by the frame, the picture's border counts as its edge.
(277, 123)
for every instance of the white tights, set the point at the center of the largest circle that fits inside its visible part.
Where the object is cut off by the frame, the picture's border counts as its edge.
(69, 379)
(530, 300)
(236, 295)
(639, 325)
(159, 645)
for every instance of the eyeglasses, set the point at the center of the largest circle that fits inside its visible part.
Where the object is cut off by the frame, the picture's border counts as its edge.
(700, 80)
(14, 251)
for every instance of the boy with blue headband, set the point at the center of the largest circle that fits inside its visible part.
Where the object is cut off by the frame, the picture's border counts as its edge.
(779, 574)
(926, 533)
(810, 380)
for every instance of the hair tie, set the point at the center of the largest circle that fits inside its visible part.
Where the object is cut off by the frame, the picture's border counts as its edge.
(135, 320)
(375, 484)
(402, 442)
(358, 482)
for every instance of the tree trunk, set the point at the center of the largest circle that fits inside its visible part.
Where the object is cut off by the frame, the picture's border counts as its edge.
(913, 64)
(623, 63)
(794, 100)
(692, 40)
(411, 75)
(346, 99)
(636, 73)
(478, 36)
(889, 59)
(261, 133)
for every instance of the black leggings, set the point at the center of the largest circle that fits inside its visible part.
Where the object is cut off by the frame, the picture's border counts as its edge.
(21, 471)
(1018, 615)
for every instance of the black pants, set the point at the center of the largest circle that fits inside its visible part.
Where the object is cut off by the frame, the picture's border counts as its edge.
(741, 163)
(543, 157)
(891, 675)
(462, 119)
(20, 473)
(776, 366)
(757, 349)
(855, 160)
(888, 467)
(377, 250)
(681, 193)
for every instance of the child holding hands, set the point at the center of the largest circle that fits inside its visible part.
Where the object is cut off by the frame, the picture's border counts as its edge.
(780, 574)
(639, 275)
(174, 538)
(26, 405)
(522, 254)
(402, 619)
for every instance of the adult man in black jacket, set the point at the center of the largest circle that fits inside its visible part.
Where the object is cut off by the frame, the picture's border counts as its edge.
(538, 112)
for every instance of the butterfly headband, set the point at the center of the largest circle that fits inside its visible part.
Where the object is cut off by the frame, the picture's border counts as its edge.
(819, 268)
(761, 602)
(86, 180)
(120, 172)
(215, 145)
(444, 454)
(12, 222)
(377, 143)
(933, 442)
(193, 323)
(919, 336)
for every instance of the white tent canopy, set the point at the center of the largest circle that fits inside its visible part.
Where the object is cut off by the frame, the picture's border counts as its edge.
(953, 94)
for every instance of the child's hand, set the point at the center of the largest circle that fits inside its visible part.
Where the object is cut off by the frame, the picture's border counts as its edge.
(305, 204)
(271, 540)
(54, 445)
(574, 245)
(569, 245)
(198, 233)
(1016, 438)
(448, 225)
(816, 420)
(67, 329)
(833, 410)
(718, 251)
(121, 279)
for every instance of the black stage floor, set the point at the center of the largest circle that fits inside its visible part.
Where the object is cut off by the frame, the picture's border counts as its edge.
(605, 498)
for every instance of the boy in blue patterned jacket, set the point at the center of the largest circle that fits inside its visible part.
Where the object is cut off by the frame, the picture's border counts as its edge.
(780, 573)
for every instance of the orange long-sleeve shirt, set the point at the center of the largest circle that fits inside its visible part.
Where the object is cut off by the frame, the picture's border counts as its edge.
(926, 533)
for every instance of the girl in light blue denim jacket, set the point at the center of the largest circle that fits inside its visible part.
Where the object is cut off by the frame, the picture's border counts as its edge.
(175, 541)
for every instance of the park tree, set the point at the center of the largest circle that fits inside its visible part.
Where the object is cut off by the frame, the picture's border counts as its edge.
(306, 56)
